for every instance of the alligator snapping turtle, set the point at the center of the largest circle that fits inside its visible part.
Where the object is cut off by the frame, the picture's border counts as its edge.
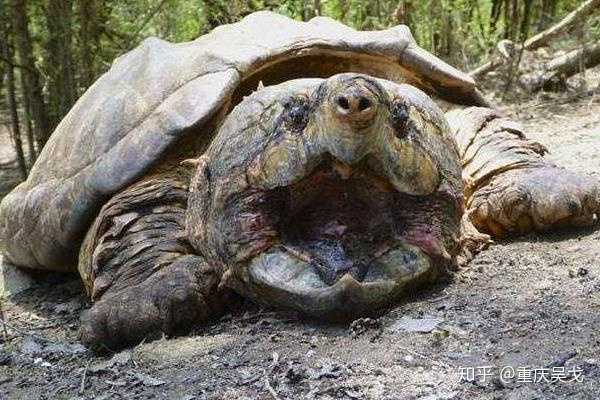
(333, 190)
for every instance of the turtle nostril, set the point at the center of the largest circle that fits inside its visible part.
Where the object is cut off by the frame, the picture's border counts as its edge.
(343, 103)
(355, 105)
(363, 104)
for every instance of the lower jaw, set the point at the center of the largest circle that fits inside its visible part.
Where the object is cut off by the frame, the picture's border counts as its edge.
(277, 279)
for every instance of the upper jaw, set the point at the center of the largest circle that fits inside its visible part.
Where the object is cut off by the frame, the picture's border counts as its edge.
(408, 167)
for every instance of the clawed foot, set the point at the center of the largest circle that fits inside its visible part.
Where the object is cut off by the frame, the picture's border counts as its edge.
(522, 200)
(168, 302)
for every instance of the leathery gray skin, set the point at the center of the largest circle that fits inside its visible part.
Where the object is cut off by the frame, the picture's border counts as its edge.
(331, 197)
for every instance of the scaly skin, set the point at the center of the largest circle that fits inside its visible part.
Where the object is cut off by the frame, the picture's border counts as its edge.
(510, 188)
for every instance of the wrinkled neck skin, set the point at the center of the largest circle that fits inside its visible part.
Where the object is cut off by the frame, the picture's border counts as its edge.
(331, 197)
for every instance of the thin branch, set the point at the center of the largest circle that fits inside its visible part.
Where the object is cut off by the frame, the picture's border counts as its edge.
(111, 35)
(585, 9)
(149, 18)
(15, 65)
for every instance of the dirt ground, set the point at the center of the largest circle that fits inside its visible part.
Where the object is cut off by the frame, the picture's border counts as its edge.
(526, 305)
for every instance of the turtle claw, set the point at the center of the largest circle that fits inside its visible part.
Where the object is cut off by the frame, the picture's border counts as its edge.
(169, 302)
(535, 199)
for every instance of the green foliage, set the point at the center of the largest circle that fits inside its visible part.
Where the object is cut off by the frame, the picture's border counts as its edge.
(74, 41)
(460, 31)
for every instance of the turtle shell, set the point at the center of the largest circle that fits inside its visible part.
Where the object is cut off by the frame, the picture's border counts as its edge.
(160, 92)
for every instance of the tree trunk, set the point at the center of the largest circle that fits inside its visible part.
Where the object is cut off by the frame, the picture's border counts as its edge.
(32, 153)
(547, 14)
(508, 26)
(378, 12)
(306, 10)
(12, 101)
(403, 13)
(495, 14)
(560, 68)
(526, 21)
(89, 39)
(33, 97)
(448, 30)
(28, 119)
(216, 13)
(60, 64)
(317, 7)
(343, 10)
(2, 73)
(566, 24)
(513, 22)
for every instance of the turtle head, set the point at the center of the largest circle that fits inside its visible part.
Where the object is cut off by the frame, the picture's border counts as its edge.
(333, 197)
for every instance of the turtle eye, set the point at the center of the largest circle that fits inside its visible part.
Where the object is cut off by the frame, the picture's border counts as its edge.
(400, 119)
(296, 114)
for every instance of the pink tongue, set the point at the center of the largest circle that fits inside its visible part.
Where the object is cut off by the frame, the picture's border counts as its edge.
(428, 242)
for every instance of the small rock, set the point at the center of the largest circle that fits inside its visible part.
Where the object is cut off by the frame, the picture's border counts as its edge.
(419, 325)
(580, 272)
(119, 383)
(40, 361)
(247, 377)
(591, 364)
(148, 380)
(295, 374)
(119, 359)
(362, 325)
(327, 370)
(275, 337)
(67, 308)
(122, 358)
(562, 359)
(440, 334)
(31, 346)
(5, 358)
(65, 348)
(13, 280)
(442, 396)
(498, 383)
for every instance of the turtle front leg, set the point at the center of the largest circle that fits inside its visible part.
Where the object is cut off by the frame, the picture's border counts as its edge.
(140, 271)
(509, 186)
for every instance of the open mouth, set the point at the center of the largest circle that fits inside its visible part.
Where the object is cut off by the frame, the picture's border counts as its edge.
(335, 201)
(346, 242)
(339, 220)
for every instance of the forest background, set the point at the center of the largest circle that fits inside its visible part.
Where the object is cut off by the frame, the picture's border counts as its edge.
(51, 51)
